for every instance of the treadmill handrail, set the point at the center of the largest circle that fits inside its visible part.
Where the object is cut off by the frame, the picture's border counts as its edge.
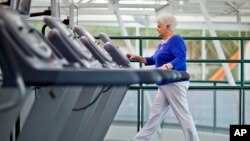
(79, 77)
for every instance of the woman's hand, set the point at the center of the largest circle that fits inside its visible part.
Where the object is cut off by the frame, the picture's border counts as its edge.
(163, 67)
(132, 57)
(166, 66)
(136, 58)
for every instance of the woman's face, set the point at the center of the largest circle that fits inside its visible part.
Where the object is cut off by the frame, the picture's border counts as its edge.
(162, 29)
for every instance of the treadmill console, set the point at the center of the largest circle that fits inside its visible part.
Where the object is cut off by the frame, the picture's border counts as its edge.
(82, 51)
(28, 41)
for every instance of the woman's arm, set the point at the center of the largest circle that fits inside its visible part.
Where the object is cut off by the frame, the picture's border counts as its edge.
(133, 57)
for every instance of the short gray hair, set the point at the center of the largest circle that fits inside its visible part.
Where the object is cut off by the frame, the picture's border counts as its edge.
(167, 19)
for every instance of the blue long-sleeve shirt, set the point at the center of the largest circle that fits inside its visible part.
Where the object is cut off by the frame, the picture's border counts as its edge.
(173, 51)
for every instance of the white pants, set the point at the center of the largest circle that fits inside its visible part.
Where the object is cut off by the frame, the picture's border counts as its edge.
(170, 95)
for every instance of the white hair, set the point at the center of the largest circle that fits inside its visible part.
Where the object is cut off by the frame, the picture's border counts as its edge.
(167, 19)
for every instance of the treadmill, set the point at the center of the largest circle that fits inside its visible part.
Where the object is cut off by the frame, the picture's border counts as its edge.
(89, 98)
(87, 117)
(40, 66)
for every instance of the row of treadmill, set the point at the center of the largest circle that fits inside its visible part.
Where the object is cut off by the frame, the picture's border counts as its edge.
(79, 83)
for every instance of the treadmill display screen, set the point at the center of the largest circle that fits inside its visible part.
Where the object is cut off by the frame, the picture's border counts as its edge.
(23, 7)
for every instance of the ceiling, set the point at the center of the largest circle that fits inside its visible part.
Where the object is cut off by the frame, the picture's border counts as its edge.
(142, 12)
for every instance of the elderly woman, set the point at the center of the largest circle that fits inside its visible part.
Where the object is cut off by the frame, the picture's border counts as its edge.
(170, 54)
